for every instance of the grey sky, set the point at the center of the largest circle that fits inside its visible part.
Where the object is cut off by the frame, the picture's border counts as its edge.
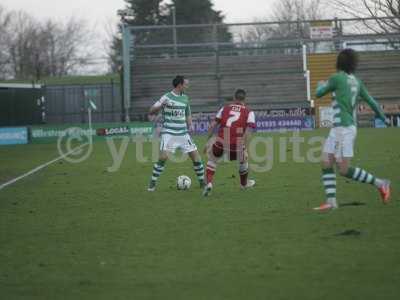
(100, 12)
(101, 16)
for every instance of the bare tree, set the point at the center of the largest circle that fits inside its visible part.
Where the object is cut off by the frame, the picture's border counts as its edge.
(297, 10)
(385, 13)
(112, 45)
(5, 20)
(23, 32)
(63, 47)
(32, 50)
(289, 16)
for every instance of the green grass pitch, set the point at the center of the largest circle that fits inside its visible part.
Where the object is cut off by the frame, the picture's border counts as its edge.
(77, 231)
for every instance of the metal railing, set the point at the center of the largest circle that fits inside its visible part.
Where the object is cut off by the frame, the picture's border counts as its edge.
(216, 41)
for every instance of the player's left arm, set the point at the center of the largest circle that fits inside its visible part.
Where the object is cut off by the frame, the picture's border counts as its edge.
(326, 87)
(247, 138)
(189, 119)
(371, 102)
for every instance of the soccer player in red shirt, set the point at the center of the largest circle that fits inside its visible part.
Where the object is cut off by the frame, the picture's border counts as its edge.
(234, 122)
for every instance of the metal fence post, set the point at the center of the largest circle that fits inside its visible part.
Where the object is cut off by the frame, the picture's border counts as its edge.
(83, 99)
(174, 33)
(112, 100)
(217, 64)
(122, 91)
(307, 74)
(102, 103)
(64, 103)
(126, 47)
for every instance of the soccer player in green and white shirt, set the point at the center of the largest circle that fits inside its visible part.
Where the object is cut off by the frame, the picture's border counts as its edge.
(177, 122)
(346, 90)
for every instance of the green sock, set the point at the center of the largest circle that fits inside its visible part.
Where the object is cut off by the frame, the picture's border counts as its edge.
(360, 175)
(158, 168)
(199, 170)
(329, 182)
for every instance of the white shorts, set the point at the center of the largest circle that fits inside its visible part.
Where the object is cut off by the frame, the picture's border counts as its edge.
(171, 143)
(340, 141)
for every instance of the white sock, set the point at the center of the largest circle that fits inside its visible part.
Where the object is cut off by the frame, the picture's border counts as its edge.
(332, 201)
(378, 182)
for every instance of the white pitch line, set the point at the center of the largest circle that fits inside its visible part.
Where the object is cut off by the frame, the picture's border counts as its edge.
(37, 169)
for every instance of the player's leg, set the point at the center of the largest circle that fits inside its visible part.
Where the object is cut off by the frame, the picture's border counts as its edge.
(189, 147)
(211, 169)
(198, 166)
(328, 172)
(244, 170)
(356, 173)
(158, 168)
(329, 180)
(166, 145)
(361, 175)
(214, 153)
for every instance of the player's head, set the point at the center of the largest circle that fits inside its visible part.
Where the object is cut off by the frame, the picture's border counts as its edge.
(240, 95)
(180, 83)
(347, 61)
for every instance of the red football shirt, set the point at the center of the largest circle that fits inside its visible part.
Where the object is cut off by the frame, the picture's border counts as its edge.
(234, 119)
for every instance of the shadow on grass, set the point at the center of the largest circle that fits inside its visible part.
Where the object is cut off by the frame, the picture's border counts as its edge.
(353, 203)
(349, 232)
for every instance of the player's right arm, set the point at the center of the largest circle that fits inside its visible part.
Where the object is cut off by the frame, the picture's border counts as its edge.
(326, 87)
(247, 138)
(371, 102)
(155, 109)
(251, 126)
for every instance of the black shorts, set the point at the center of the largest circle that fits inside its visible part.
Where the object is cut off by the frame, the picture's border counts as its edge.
(235, 152)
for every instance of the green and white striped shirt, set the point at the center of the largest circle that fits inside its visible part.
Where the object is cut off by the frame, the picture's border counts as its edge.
(176, 110)
(347, 90)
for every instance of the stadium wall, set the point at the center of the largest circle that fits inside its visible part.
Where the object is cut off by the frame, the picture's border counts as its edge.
(271, 81)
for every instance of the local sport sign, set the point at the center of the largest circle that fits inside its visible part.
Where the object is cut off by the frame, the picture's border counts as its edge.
(125, 130)
(13, 135)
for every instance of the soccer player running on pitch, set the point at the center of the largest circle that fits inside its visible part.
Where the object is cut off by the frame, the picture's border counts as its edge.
(346, 89)
(234, 121)
(177, 121)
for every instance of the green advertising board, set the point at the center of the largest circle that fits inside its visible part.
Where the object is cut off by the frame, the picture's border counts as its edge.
(44, 134)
